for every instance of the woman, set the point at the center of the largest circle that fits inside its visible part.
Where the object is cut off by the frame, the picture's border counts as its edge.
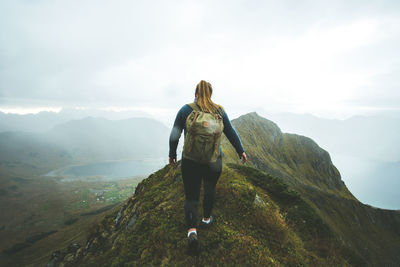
(193, 171)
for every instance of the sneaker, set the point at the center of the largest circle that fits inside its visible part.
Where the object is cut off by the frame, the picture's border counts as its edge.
(193, 242)
(209, 221)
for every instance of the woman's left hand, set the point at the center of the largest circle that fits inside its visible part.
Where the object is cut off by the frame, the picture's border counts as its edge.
(172, 161)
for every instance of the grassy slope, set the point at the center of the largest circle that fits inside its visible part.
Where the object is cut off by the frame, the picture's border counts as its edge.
(374, 234)
(41, 214)
(29, 154)
(297, 159)
(259, 222)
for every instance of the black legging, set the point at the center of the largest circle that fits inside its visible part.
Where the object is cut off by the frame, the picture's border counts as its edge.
(192, 174)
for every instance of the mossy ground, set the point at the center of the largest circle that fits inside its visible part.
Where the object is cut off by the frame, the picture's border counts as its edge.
(259, 222)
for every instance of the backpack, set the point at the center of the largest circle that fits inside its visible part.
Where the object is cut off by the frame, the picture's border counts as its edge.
(203, 135)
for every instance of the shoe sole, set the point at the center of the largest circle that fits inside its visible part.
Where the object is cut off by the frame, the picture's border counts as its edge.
(208, 224)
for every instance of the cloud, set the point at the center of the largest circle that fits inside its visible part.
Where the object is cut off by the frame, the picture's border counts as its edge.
(279, 55)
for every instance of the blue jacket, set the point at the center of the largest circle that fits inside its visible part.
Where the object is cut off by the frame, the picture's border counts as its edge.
(180, 124)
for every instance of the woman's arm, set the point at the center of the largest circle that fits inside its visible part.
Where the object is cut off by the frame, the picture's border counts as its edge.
(233, 137)
(176, 131)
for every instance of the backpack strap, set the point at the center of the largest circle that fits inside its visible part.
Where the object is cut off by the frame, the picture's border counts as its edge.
(194, 106)
(217, 132)
(220, 112)
(192, 129)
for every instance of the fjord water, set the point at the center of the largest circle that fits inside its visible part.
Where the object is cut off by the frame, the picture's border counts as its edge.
(368, 180)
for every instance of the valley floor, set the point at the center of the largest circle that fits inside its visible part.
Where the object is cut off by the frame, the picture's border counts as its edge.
(42, 214)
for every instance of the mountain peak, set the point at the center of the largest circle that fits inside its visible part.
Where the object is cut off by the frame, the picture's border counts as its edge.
(295, 158)
(251, 114)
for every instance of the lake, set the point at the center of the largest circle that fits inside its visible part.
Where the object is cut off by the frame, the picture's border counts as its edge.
(109, 170)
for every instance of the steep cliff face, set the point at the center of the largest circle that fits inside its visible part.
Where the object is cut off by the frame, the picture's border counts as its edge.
(287, 207)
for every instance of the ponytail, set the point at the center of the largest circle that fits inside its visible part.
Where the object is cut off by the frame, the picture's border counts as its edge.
(203, 97)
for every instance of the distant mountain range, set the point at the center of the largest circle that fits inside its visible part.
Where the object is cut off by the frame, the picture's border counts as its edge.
(94, 139)
(83, 141)
(369, 137)
(360, 146)
(46, 120)
(287, 207)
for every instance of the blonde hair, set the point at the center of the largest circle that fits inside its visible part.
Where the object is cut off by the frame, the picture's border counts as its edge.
(203, 97)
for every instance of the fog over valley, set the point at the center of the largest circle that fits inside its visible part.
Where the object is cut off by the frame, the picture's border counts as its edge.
(90, 91)
(363, 148)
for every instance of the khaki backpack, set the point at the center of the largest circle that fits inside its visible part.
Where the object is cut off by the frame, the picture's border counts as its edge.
(203, 135)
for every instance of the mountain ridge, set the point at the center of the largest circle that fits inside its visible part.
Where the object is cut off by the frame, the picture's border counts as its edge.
(285, 170)
(339, 208)
(45, 120)
(285, 154)
(259, 221)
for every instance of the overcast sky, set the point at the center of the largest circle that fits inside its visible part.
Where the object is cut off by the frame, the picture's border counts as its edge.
(328, 58)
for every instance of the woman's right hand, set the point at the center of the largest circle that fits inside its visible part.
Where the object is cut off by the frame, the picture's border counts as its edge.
(243, 157)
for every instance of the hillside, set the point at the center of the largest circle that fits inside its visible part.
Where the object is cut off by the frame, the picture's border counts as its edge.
(260, 221)
(24, 153)
(290, 208)
(40, 213)
(371, 137)
(307, 168)
(296, 159)
(364, 148)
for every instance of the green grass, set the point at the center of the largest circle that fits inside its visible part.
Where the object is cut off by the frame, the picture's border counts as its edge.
(247, 232)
